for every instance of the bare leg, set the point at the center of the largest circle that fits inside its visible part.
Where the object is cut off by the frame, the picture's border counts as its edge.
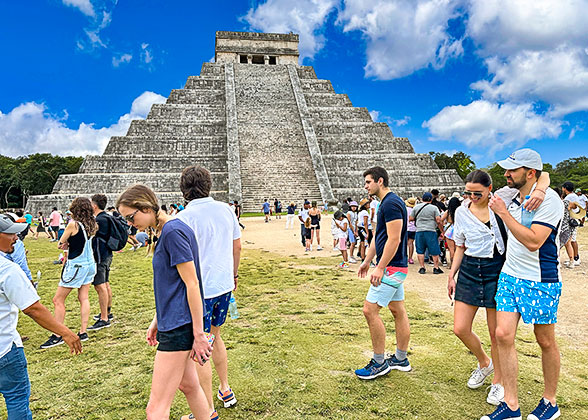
(102, 300)
(401, 323)
(506, 331)
(344, 254)
(84, 306)
(318, 237)
(575, 248)
(205, 378)
(491, 320)
(550, 358)
(168, 371)
(421, 258)
(371, 311)
(463, 318)
(59, 303)
(193, 391)
(410, 248)
(219, 356)
(435, 261)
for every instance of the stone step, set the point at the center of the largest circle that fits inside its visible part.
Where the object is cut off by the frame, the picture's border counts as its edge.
(216, 82)
(196, 146)
(187, 111)
(212, 69)
(196, 96)
(118, 182)
(327, 99)
(339, 114)
(306, 72)
(162, 129)
(316, 85)
(45, 203)
(151, 163)
(358, 161)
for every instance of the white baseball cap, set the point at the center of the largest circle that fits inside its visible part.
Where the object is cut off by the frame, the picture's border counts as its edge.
(8, 226)
(523, 157)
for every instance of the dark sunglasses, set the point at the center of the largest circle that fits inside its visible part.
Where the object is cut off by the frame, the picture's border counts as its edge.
(475, 194)
(131, 217)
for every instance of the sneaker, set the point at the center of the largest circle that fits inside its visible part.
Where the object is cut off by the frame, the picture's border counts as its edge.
(343, 265)
(437, 271)
(319, 248)
(479, 375)
(227, 397)
(335, 249)
(410, 261)
(98, 325)
(544, 411)
(496, 394)
(576, 263)
(52, 342)
(83, 336)
(372, 265)
(352, 260)
(568, 264)
(372, 370)
(503, 412)
(403, 365)
(97, 317)
(422, 270)
(213, 416)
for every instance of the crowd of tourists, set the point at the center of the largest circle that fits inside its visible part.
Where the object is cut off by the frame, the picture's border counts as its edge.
(503, 255)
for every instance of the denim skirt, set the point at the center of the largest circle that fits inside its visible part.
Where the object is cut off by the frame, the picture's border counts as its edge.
(478, 279)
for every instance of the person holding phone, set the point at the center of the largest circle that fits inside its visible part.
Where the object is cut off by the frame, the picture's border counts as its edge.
(178, 323)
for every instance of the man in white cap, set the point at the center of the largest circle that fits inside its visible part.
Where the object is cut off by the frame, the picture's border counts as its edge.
(529, 286)
(17, 292)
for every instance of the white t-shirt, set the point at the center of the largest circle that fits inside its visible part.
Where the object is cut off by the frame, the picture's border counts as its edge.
(360, 219)
(304, 214)
(16, 292)
(573, 198)
(374, 206)
(583, 201)
(352, 216)
(541, 265)
(338, 233)
(216, 227)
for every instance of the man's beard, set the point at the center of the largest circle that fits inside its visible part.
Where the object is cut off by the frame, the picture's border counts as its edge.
(514, 184)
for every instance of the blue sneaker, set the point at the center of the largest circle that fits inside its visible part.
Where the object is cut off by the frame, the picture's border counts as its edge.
(503, 412)
(403, 365)
(544, 411)
(372, 370)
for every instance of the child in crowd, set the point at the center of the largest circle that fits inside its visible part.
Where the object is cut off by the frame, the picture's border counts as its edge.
(341, 236)
(307, 233)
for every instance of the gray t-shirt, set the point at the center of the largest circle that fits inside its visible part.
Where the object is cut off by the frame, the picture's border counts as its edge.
(425, 221)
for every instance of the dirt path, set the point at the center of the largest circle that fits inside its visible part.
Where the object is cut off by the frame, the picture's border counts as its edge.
(573, 309)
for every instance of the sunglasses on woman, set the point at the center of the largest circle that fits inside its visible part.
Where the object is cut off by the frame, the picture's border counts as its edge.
(474, 193)
(131, 217)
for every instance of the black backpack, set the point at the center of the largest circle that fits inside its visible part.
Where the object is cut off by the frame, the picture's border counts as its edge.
(119, 232)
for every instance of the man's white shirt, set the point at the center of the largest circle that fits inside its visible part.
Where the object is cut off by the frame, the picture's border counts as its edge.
(215, 226)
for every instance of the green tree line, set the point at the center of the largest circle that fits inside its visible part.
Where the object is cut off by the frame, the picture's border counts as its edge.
(35, 174)
(573, 169)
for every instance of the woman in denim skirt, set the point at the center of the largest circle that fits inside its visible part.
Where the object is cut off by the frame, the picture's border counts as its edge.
(79, 267)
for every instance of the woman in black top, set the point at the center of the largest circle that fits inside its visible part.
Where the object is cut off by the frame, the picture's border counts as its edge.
(79, 267)
(315, 226)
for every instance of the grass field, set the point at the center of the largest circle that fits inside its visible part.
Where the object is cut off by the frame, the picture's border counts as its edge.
(291, 353)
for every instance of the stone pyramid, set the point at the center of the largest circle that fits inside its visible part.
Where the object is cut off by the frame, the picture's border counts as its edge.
(264, 126)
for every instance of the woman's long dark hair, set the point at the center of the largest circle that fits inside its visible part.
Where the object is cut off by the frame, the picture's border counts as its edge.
(82, 211)
(452, 206)
(479, 177)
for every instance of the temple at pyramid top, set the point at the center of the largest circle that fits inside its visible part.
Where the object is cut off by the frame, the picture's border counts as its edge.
(256, 48)
(264, 126)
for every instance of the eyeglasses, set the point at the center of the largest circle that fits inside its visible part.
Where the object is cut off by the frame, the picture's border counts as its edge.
(131, 217)
(474, 193)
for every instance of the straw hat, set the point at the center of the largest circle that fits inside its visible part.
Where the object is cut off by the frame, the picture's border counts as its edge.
(410, 202)
(580, 214)
(363, 202)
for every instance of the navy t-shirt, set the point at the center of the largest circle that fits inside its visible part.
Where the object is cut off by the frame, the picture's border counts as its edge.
(391, 208)
(177, 244)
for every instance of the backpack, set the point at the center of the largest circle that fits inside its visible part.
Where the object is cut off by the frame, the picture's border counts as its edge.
(118, 234)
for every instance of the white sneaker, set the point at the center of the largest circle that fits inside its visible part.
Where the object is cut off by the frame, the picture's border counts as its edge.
(496, 394)
(335, 249)
(568, 264)
(479, 375)
(319, 248)
(576, 263)
(352, 260)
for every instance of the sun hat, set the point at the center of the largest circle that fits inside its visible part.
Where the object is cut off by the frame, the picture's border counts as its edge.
(353, 203)
(7, 225)
(363, 202)
(410, 202)
(523, 157)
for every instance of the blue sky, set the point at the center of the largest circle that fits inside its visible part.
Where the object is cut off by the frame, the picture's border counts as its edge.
(481, 76)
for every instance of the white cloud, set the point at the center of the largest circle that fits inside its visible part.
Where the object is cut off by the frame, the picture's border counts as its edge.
(146, 54)
(558, 77)
(29, 128)
(125, 58)
(403, 36)
(403, 121)
(85, 6)
(491, 126)
(304, 17)
(98, 22)
(508, 27)
(377, 116)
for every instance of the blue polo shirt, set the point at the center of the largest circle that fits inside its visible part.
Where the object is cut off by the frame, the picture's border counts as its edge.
(391, 208)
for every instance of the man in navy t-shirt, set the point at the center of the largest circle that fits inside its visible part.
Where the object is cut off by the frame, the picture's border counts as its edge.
(387, 279)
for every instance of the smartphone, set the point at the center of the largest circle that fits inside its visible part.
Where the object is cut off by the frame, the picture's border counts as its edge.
(210, 337)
